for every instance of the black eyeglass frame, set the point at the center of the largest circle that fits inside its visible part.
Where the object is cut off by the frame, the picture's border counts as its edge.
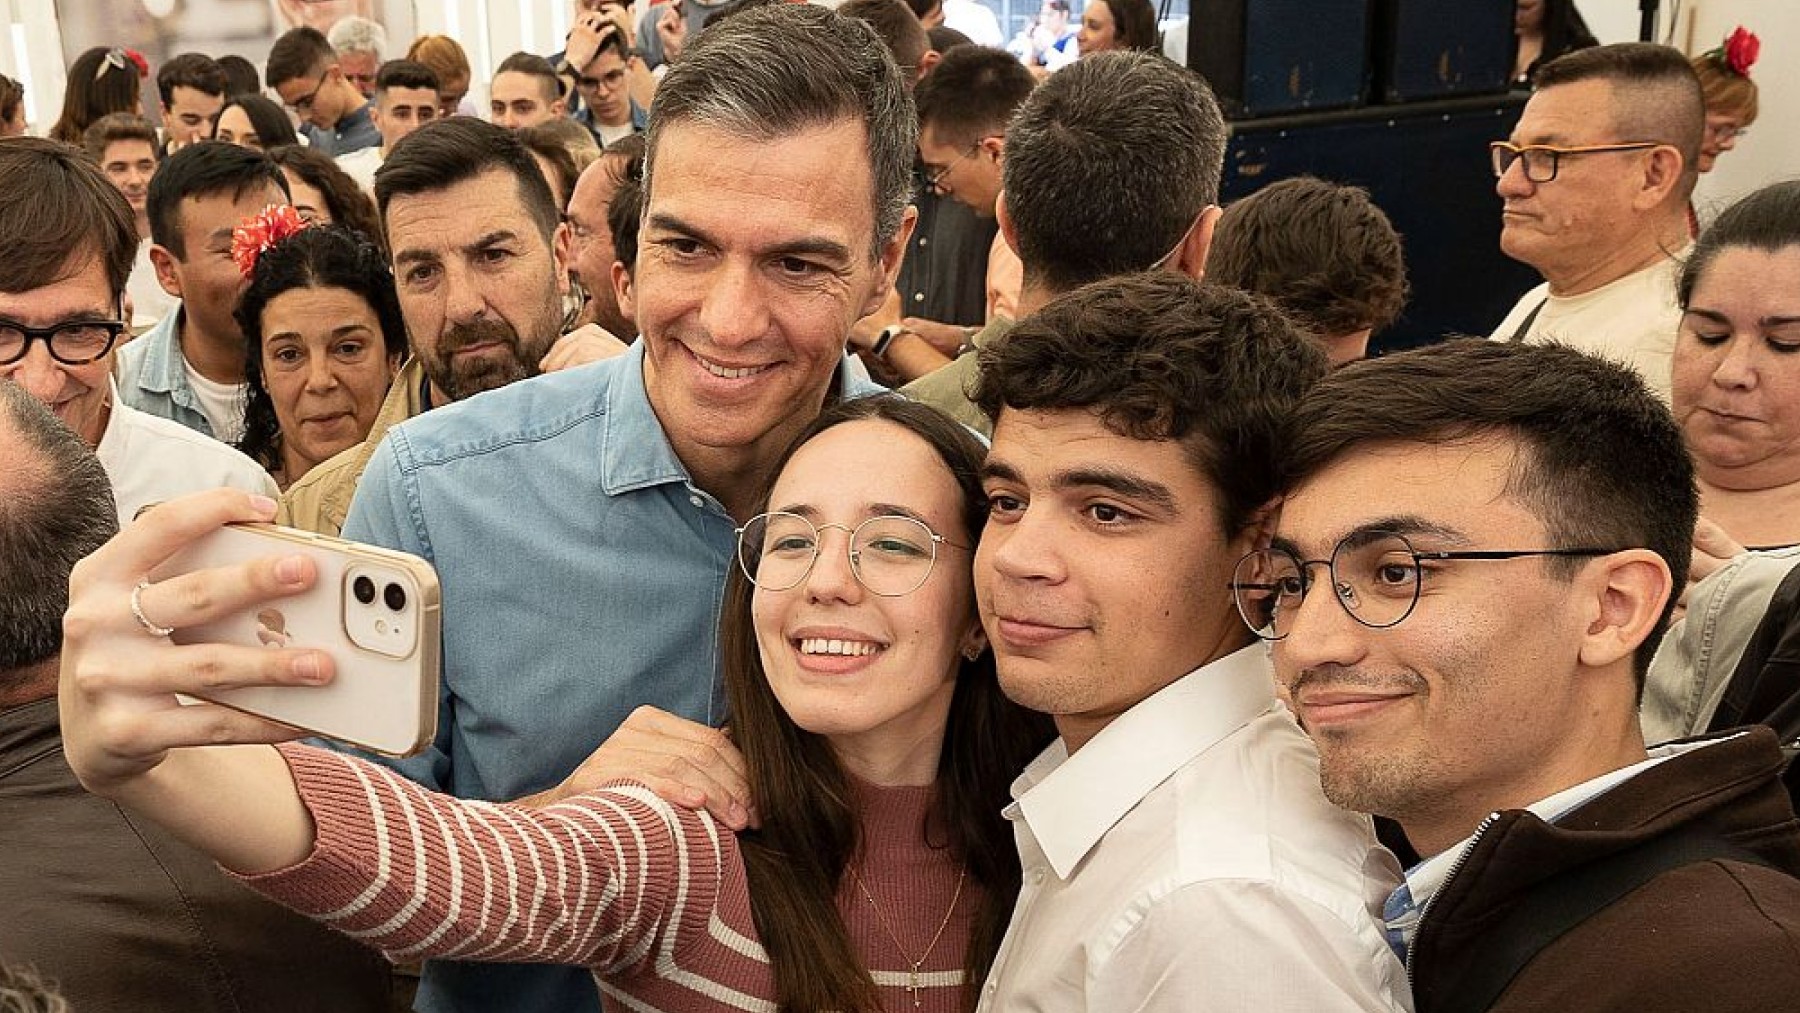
(47, 335)
(1304, 567)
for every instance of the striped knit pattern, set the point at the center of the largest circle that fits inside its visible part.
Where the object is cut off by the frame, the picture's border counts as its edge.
(652, 897)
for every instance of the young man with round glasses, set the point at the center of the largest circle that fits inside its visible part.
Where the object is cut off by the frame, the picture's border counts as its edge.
(1595, 182)
(1177, 851)
(72, 239)
(1469, 575)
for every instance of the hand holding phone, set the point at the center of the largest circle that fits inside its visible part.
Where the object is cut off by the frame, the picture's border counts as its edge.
(122, 679)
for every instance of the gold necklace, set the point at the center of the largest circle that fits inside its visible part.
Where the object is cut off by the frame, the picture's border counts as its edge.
(912, 979)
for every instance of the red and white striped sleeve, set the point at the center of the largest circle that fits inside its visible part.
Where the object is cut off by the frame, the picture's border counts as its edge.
(605, 879)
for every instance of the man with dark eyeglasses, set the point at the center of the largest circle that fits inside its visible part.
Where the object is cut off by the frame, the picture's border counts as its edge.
(1595, 183)
(71, 240)
(306, 72)
(1478, 548)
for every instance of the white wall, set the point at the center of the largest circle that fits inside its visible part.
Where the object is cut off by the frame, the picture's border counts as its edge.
(1771, 151)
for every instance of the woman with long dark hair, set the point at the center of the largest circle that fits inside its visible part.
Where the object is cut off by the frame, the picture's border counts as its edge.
(1546, 29)
(252, 121)
(324, 193)
(100, 81)
(878, 746)
(323, 337)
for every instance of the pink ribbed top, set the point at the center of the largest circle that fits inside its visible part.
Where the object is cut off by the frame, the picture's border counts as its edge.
(652, 897)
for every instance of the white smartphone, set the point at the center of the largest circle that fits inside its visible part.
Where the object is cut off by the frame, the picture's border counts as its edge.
(374, 610)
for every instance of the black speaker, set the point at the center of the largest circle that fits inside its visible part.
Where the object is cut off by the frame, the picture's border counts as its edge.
(1267, 57)
(1426, 49)
(1425, 164)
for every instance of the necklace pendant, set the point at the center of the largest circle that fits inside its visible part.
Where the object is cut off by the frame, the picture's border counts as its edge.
(912, 986)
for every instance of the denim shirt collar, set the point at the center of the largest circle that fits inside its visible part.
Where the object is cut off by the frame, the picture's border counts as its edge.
(163, 371)
(635, 452)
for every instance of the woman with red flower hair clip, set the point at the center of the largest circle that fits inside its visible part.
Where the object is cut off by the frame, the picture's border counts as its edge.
(1730, 94)
(323, 338)
(101, 81)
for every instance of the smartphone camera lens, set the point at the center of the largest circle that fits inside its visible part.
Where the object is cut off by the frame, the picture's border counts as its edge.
(364, 589)
(395, 596)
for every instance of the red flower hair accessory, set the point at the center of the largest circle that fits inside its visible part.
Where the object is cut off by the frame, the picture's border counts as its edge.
(261, 231)
(1739, 52)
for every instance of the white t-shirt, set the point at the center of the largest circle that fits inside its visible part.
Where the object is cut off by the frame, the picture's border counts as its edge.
(360, 165)
(221, 403)
(1632, 320)
(151, 459)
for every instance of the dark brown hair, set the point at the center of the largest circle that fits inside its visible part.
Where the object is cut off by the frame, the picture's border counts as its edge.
(1603, 463)
(349, 205)
(897, 25)
(299, 52)
(532, 65)
(453, 149)
(190, 70)
(1159, 356)
(971, 94)
(96, 86)
(1323, 252)
(12, 93)
(201, 170)
(1134, 24)
(56, 210)
(117, 127)
(1108, 164)
(1767, 219)
(320, 256)
(796, 861)
(543, 141)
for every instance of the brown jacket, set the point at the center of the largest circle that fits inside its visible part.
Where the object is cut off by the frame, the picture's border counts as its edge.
(1717, 935)
(320, 501)
(122, 917)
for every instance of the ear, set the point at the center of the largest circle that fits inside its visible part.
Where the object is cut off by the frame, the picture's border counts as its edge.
(164, 263)
(1628, 591)
(926, 63)
(1004, 218)
(1259, 530)
(994, 147)
(1662, 174)
(622, 291)
(375, 115)
(1191, 260)
(892, 253)
(974, 640)
(557, 107)
(562, 252)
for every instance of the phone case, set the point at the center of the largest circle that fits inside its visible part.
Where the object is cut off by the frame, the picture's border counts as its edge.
(385, 702)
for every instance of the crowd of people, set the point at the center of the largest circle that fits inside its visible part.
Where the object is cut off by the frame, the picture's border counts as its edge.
(877, 493)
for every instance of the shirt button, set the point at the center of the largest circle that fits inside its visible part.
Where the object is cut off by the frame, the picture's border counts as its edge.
(923, 241)
(1037, 876)
(697, 501)
(918, 297)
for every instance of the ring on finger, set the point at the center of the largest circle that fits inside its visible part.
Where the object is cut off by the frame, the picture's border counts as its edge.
(137, 612)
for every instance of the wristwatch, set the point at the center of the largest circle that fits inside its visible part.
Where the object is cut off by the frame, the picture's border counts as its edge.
(884, 339)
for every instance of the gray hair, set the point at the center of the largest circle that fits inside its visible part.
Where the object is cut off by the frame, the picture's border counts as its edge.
(358, 35)
(775, 71)
(1108, 163)
(57, 507)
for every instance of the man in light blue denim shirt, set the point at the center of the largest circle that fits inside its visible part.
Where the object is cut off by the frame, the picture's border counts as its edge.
(582, 522)
(189, 368)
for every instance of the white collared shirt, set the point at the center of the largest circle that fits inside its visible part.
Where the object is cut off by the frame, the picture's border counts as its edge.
(150, 459)
(1186, 859)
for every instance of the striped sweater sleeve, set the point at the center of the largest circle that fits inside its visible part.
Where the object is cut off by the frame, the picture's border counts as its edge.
(607, 879)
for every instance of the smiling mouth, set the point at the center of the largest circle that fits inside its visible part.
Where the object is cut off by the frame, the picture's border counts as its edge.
(838, 648)
(727, 372)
